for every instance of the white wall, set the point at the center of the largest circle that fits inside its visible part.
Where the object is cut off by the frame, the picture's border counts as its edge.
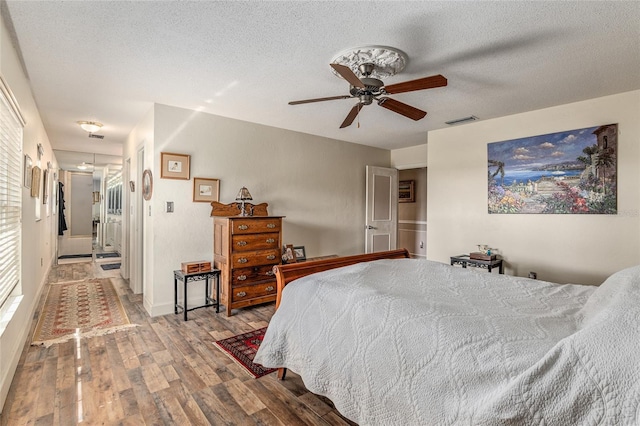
(409, 158)
(317, 183)
(561, 248)
(38, 238)
(141, 137)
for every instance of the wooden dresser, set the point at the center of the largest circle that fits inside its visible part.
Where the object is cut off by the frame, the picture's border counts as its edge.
(245, 248)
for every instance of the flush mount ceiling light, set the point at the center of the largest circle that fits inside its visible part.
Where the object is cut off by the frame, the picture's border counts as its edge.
(83, 166)
(90, 126)
(387, 61)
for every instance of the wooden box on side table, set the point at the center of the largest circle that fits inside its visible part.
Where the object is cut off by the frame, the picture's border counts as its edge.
(197, 266)
(245, 248)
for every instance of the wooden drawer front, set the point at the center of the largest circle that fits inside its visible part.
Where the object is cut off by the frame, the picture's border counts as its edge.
(255, 242)
(245, 276)
(252, 291)
(254, 226)
(245, 259)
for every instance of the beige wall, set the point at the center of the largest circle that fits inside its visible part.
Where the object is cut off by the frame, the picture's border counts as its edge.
(409, 158)
(38, 237)
(317, 183)
(561, 248)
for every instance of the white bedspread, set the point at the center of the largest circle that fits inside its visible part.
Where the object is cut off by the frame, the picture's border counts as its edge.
(437, 345)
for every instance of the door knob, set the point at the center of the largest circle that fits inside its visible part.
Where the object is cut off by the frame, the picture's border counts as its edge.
(369, 227)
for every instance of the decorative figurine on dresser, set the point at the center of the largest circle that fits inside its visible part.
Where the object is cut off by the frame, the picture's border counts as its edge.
(245, 249)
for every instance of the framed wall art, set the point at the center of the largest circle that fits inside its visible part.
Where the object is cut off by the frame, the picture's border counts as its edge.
(45, 186)
(28, 165)
(570, 172)
(406, 191)
(36, 174)
(205, 190)
(147, 184)
(174, 166)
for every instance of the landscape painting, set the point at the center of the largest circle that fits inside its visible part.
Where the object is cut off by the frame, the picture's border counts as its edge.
(571, 172)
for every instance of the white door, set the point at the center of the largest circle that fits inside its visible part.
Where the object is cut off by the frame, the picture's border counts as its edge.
(381, 223)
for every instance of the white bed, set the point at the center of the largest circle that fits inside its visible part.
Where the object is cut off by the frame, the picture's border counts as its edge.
(414, 342)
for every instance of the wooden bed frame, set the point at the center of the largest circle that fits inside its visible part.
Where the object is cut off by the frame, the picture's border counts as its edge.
(287, 273)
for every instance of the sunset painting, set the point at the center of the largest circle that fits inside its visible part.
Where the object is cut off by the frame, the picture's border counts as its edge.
(571, 172)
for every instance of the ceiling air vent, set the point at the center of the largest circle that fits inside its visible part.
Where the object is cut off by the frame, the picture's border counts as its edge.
(93, 135)
(461, 120)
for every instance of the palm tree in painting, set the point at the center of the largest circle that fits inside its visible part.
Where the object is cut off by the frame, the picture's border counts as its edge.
(604, 159)
(499, 165)
(589, 151)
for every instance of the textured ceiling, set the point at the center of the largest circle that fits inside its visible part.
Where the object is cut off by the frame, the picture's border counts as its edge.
(110, 61)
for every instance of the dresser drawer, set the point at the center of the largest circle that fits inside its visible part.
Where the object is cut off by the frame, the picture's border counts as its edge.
(253, 291)
(245, 242)
(255, 258)
(254, 226)
(244, 276)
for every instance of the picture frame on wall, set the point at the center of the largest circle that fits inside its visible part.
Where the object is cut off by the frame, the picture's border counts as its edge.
(147, 184)
(406, 191)
(36, 175)
(206, 190)
(28, 165)
(45, 186)
(566, 172)
(175, 166)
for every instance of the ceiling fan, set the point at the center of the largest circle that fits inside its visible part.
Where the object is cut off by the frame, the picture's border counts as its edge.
(368, 89)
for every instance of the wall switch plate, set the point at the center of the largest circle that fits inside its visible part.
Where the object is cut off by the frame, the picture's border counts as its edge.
(169, 208)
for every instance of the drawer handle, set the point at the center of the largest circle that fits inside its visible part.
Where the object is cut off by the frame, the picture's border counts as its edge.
(242, 243)
(242, 260)
(271, 257)
(242, 277)
(270, 288)
(241, 294)
(270, 240)
(269, 273)
(243, 227)
(271, 225)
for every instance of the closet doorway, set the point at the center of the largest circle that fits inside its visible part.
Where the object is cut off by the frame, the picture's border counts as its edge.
(412, 211)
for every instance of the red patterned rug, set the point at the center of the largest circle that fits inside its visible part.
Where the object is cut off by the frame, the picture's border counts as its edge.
(80, 309)
(243, 348)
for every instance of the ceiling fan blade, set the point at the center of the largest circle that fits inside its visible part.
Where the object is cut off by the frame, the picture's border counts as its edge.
(330, 98)
(351, 116)
(348, 75)
(419, 84)
(402, 108)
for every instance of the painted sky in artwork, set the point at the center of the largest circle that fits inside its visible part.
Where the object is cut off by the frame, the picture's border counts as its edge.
(536, 151)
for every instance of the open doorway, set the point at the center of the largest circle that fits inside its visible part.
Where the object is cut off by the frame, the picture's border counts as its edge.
(412, 211)
(88, 207)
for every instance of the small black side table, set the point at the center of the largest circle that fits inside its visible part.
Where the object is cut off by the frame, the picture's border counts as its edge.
(464, 259)
(196, 276)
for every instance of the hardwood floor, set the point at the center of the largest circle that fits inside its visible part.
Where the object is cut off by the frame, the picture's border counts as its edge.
(165, 372)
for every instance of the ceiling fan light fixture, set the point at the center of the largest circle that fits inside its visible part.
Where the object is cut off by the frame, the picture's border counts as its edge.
(387, 61)
(90, 126)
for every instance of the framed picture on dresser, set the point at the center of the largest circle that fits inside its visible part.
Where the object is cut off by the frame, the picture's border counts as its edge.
(300, 253)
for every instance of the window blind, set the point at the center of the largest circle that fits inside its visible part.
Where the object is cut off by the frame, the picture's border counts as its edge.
(10, 192)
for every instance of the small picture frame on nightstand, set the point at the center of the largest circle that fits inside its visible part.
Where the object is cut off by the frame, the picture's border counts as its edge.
(300, 253)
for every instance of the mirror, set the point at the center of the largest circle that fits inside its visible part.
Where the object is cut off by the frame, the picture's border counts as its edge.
(106, 198)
